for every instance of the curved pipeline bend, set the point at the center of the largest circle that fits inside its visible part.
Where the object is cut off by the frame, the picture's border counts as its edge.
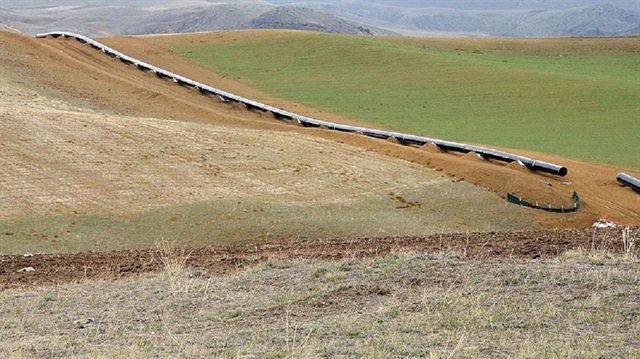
(406, 139)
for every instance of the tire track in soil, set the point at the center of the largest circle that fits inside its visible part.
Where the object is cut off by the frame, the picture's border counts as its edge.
(53, 269)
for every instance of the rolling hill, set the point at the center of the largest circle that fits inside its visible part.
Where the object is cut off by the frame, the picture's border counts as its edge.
(157, 18)
(453, 18)
(575, 98)
(96, 153)
(209, 230)
(493, 19)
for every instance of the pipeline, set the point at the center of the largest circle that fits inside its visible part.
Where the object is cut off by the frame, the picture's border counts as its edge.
(629, 181)
(405, 139)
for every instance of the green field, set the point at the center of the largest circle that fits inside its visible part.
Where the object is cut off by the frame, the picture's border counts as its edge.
(217, 222)
(583, 103)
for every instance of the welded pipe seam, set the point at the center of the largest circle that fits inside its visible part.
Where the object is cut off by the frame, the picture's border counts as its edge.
(487, 153)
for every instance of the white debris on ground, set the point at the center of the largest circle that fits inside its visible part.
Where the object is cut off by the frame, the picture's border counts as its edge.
(605, 223)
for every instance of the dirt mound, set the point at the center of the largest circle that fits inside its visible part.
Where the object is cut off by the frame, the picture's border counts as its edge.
(518, 166)
(473, 156)
(55, 269)
(430, 147)
(128, 90)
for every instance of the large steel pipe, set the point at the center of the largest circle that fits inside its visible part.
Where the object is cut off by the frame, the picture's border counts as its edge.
(406, 139)
(629, 181)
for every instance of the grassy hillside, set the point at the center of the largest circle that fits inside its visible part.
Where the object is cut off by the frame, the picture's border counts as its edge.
(567, 97)
(75, 180)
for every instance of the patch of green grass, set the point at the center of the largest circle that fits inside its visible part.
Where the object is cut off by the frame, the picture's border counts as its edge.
(409, 305)
(582, 105)
(461, 208)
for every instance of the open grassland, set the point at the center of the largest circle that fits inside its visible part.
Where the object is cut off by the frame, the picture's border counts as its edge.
(573, 97)
(441, 208)
(583, 304)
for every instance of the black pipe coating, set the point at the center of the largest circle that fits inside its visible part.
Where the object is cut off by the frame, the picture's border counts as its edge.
(629, 181)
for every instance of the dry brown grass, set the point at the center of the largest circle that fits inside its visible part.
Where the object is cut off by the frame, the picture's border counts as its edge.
(174, 263)
(405, 305)
(77, 180)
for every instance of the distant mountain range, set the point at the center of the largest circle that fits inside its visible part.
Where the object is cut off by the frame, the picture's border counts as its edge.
(158, 18)
(495, 18)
